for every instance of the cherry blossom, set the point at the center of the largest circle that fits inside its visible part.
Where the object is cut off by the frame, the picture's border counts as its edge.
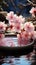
(15, 17)
(16, 20)
(23, 38)
(1, 35)
(17, 27)
(33, 11)
(2, 26)
(34, 35)
(13, 20)
(21, 19)
(29, 27)
(10, 15)
(27, 34)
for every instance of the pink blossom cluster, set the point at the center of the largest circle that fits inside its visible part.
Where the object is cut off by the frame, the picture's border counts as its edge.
(3, 41)
(15, 21)
(33, 11)
(11, 17)
(29, 27)
(25, 36)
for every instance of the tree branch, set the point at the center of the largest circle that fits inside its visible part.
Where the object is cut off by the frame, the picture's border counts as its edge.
(31, 3)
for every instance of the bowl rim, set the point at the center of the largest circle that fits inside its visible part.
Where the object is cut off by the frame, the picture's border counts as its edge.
(14, 35)
(30, 44)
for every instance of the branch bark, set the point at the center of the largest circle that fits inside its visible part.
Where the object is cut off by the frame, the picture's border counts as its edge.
(33, 4)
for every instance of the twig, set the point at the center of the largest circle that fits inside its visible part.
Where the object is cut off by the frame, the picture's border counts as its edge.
(31, 3)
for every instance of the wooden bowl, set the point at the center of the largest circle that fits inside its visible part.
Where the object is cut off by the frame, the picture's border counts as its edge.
(16, 51)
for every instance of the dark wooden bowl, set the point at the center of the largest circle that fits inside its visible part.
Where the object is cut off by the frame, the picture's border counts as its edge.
(16, 51)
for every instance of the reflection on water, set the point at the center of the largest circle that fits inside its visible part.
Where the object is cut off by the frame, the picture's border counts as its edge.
(15, 61)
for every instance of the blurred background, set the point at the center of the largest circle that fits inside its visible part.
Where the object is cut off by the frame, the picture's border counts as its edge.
(18, 6)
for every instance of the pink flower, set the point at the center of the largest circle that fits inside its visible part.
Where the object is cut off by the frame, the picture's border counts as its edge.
(33, 34)
(10, 15)
(11, 27)
(33, 11)
(17, 27)
(1, 36)
(29, 27)
(21, 19)
(26, 35)
(23, 38)
(16, 20)
(15, 17)
(2, 26)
